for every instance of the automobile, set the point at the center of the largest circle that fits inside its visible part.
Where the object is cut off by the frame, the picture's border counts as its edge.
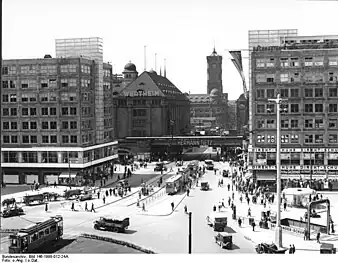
(109, 224)
(327, 248)
(224, 240)
(269, 249)
(218, 221)
(209, 164)
(205, 186)
(159, 167)
(12, 211)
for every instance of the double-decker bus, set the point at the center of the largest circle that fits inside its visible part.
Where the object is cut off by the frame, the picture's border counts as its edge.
(27, 240)
(174, 184)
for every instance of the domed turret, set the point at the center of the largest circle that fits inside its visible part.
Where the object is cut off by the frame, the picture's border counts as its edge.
(130, 67)
(215, 93)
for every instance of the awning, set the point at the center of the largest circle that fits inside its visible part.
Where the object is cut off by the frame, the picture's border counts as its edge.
(266, 177)
(66, 175)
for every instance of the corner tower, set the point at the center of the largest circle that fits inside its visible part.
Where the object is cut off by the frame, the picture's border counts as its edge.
(214, 72)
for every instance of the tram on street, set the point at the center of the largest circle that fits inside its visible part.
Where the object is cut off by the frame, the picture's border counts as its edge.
(29, 239)
(174, 184)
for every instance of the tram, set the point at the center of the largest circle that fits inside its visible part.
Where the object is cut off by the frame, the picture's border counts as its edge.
(27, 240)
(174, 184)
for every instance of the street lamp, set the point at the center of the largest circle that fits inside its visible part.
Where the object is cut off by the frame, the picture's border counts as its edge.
(278, 229)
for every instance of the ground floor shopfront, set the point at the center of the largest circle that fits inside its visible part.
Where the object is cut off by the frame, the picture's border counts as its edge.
(318, 166)
(29, 165)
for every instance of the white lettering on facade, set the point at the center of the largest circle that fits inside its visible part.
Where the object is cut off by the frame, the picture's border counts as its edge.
(141, 93)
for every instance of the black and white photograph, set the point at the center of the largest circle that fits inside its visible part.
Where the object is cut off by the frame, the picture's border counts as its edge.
(168, 127)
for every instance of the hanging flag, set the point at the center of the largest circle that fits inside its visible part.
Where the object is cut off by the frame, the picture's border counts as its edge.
(237, 60)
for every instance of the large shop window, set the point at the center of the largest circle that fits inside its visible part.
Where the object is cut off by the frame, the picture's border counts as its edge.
(49, 157)
(332, 159)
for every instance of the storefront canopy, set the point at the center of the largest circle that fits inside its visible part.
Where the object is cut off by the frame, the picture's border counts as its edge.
(66, 175)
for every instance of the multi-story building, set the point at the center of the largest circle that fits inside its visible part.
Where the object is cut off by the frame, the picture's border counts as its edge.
(304, 71)
(264, 38)
(50, 109)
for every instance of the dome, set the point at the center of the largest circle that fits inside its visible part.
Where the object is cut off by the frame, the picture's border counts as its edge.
(152, 71)
(130, 66)
(215, 93)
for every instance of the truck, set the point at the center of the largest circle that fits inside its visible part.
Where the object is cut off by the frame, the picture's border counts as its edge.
(114, 225)
(218, 221)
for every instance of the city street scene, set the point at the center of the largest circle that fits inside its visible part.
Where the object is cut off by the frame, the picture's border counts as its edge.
(101, 153)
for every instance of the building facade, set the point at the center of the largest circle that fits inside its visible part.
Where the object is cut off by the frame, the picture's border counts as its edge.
(50, 109)
(304, 71)
(151, 106)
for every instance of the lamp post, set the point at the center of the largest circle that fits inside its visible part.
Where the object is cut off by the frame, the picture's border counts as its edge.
(278, 229)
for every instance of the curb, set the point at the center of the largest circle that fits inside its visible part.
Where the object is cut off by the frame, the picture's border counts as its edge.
(119, 242)
(171, 211)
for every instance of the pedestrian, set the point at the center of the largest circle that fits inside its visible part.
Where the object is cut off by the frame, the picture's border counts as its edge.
(223, 203)
(241, 198)
(214, 208)
(104, 200)
(284, 206)
(92, 210)
(239, 222)
(172, 206)
(185, 209)
(249, 212)
(233, 195)
(188, 191)
(318, 237)
(73, 206)
(293, 249)
(229, 201)
(98, 195)
(46, 207)
(107, 193)
(248, 200)
(143, 207)
(321, 196)
(290, 250)
(253, 226)
(215, 171)
(305, 234)
(228, 187)
(110, 191)
(86, 207)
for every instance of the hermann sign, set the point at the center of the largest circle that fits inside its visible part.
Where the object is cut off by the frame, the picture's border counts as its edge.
(141, 93)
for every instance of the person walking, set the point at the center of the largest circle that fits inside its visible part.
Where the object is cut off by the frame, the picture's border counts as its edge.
(228, 187)
(241, 198)
(186, 209)
(73, 206)
(110, 191)
(229, 201)
(98, 195)
(223, 203)
(143, 207)
(86, 207)
(293, 249)
(92, 210)
(253, 226)
(188, 191)
(214, 208)
(290, 250)
(318, 237)
(284, 206)
(233, 195)
(46, 207)
(249, 212)
(172, 206)
(104, 199)
(239, 222)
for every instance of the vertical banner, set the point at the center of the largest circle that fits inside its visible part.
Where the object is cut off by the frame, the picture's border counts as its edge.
(237, 60)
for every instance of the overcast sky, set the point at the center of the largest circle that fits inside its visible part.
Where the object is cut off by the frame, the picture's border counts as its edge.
(182, 31)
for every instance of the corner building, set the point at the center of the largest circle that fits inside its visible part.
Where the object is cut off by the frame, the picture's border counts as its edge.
(49, 116)
(304, 70)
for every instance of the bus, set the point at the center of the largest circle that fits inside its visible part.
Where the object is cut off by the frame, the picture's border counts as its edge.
(174, 184)
(209, 164)
(27, 240)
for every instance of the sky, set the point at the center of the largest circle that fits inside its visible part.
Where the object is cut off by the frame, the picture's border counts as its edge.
(181, 31)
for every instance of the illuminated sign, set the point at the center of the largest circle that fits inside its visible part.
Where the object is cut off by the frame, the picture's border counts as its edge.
(141, 93)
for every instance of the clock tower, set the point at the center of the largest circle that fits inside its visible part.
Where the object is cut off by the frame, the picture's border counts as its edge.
(214, 72)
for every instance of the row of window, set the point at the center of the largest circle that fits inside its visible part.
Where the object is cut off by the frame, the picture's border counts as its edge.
(287, 123)
(47, 97)
(295, 77)
(48, 84)
(294, 108)
(25, 139)
(294, 138)
(291, 62)
(65, 111)
(47, 69)
(122, 102)
(295, 93)
(45, 125)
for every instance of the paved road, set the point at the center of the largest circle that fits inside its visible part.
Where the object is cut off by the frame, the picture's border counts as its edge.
(162, 234)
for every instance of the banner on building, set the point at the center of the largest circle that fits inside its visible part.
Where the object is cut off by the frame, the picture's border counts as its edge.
(237, 60)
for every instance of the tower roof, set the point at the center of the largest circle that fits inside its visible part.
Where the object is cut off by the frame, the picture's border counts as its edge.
(214, 53)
